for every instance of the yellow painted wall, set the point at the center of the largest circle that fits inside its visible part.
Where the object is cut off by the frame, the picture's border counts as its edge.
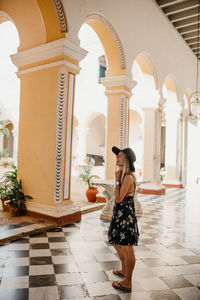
(37, 133)
(49, 17)
(33, 19)
(110, 47)
(112, 133)
(27, 18)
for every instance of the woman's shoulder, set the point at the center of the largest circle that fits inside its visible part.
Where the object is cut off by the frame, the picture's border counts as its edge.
(130, 176)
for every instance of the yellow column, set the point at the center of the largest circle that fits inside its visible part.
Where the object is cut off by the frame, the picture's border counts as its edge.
(118, 91)
(47, 75)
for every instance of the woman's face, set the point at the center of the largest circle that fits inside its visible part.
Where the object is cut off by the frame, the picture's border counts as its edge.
(120, 159)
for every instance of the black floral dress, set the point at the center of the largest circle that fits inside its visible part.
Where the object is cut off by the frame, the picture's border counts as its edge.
(123, 228)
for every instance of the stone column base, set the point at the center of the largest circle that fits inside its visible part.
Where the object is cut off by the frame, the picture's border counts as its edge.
(106, 217)
(59, 214)
(152, 189)
(173, 184)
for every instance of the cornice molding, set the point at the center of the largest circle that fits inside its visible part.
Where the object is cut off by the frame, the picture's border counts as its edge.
(119, 91)
(47, 51)
(50, 65)
(122, 80)
(61, 15)
(114, 34)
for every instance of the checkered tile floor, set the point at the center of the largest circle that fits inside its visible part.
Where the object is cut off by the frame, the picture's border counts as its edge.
(75, 261)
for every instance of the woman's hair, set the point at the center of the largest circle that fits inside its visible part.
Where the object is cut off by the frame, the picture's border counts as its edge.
(126, 168)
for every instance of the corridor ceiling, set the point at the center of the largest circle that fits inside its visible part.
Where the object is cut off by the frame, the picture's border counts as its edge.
(183, 14)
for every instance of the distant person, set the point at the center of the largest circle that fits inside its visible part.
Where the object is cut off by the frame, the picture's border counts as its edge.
(123, 231)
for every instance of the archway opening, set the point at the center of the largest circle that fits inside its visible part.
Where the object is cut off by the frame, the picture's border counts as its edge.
(9, 93)
(145, 98)
(90, 111)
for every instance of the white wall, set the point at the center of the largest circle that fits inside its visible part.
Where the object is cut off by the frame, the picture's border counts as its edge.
(141, 26)
(193, 163)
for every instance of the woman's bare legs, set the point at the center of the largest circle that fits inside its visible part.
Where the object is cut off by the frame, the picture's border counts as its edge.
(121, 253)
(129, 266)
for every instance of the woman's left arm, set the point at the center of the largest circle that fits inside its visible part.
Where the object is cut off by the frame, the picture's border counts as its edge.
(120, 192)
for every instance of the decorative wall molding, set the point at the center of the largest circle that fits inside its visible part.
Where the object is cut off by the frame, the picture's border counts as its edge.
(124, 122)
(61, 15)
(127, 122)
(114, 34)
(121, 121)
(48, 51)
(60, 138)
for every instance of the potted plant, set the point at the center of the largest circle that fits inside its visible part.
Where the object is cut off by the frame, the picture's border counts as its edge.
(162, 174)
(3, 129)
(12, 192)
(5, 164)
(4, 186)
(87, 178)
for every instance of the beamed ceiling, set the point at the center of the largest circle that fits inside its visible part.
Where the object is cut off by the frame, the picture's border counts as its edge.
(183, 14)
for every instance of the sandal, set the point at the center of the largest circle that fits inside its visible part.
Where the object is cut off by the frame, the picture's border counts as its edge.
(118, 286)
(116, 272)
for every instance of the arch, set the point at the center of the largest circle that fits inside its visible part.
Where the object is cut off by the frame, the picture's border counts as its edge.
(96, 134)
(147, 66)
(135, 122)
(35, 26)
(111, 42)
(92, 117)
(171, 85)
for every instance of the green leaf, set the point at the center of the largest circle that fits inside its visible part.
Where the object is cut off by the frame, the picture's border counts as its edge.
(28, 197)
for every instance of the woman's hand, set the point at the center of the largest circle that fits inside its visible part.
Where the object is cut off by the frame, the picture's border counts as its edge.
(118, 175)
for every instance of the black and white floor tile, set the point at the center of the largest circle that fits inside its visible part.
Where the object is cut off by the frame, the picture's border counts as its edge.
(75, 261)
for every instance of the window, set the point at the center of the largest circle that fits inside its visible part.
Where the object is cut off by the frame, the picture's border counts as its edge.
(102, 67)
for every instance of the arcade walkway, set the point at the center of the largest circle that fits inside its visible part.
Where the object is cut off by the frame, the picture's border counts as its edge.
(75, 261)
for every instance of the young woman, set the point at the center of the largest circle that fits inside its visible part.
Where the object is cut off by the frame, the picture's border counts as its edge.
(123, 231)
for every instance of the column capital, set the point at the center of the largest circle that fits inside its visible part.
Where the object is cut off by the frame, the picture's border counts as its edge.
(62, 51)
(146, 109)
(119, 84)
(161, 102)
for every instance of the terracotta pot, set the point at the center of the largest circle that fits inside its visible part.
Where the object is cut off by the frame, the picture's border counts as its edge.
(91, 194)
(14, 211)
(5, 207)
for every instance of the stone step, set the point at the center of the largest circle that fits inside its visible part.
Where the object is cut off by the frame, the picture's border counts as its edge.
(18, 232)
